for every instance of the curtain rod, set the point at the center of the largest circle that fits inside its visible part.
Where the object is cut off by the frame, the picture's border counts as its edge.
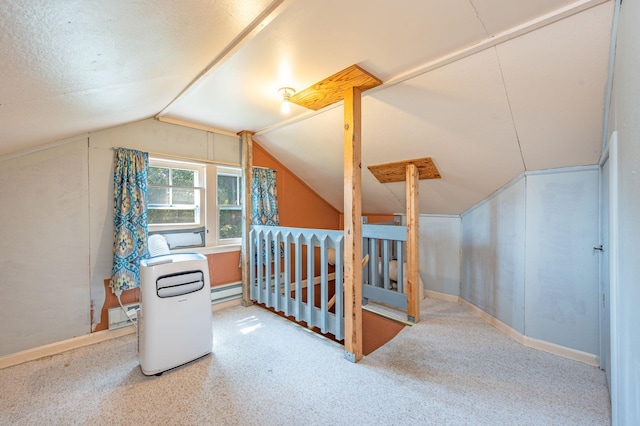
(179, 157)
(265, 168)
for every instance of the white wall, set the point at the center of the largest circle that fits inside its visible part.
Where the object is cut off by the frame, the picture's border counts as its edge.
(147, 135)
(561, 281)
(44, 267)
(527, 257)
(440, 253)
(61, 234)
(625, 292)
(493, 255)
(56, 213)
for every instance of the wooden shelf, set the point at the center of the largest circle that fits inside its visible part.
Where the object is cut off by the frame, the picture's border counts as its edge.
(396, 172)
(331, 89)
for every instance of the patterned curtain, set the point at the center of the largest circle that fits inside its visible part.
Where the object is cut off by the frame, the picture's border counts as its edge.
(264, 198)
(129, 217)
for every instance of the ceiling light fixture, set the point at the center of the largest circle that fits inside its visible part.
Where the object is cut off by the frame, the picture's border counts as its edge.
(286, 93)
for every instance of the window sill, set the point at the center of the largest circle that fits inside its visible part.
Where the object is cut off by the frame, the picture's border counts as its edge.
(226, 248)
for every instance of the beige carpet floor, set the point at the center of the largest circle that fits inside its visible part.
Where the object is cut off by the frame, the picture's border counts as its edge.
(450, 369)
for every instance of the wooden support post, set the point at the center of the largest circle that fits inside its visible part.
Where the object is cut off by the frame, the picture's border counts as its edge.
(352, 225)
(247, 174)
(413, 231)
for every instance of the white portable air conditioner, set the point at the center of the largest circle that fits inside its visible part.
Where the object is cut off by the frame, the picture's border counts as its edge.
(175, 320)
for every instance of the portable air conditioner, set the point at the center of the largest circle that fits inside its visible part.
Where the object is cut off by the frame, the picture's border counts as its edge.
(175, 320)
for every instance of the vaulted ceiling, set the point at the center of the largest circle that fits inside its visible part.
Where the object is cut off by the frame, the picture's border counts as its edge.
(487, 88)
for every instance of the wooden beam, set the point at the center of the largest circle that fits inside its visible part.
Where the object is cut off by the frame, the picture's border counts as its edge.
(332, 89)
(352, 225)
(413, 247)
(247, 174)
(396, 172)
(332, 301)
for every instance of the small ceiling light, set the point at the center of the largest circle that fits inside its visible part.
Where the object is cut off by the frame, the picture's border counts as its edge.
(286, 93)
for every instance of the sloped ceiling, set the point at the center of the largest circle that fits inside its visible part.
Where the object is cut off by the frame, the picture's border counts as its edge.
(487, 88)
(70, 67)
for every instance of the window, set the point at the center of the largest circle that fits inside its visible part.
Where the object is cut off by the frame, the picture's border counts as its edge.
(228, 203)
(186, 196)
(176, 193)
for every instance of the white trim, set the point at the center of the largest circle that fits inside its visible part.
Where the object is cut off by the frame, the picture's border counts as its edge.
(530, 342)
(224, 248)
(610, 74)
(563, 351)
(435, 215)
(444, 216)
(85, 340)
(442, 296)
(387, 312)
(614, 245)
(44, 147)
(184, 159)
(491, 320)
(63, 346)
(562, 170)
(525, 174)
(197, 126)
(215, 307)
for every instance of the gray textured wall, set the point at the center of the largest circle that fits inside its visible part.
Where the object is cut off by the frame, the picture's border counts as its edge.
(527, 257)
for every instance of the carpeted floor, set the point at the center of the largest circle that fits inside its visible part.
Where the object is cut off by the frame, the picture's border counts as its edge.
(450, 369)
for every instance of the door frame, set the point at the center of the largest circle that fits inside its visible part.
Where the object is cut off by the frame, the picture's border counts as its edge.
(610, 154)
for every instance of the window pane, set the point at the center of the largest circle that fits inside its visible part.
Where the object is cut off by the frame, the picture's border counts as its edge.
(230, 224)
(227, 190)
(183, 177)
(158, 195)
(158, 216)
(183, 196)
(158, 176)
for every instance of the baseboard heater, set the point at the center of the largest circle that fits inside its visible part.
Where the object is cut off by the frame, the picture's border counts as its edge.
(219, 294)
(226, 292)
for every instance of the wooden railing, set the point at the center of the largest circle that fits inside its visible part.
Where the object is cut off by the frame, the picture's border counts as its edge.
(383, 277)
(299, 272)
(288, 264)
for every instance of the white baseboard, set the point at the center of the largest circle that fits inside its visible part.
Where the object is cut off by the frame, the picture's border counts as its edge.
(530, 342)
(515, 335)
(226, 304)
(85, 340)
(563, 351)
(441, 296)
(101, 336)
(63, 346)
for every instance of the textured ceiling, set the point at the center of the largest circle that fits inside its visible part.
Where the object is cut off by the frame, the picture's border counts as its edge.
(487, 88)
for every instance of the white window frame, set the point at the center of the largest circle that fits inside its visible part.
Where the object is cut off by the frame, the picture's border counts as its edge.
(227, 171)
(200, 170)
(209, 210)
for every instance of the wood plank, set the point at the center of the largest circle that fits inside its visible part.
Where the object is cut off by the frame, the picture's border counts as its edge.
(413, 247)
(247, 173)
(377, 331)
(332, 276)
(352, 225)
(384, 296)
(332, 89)
(396, 172)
